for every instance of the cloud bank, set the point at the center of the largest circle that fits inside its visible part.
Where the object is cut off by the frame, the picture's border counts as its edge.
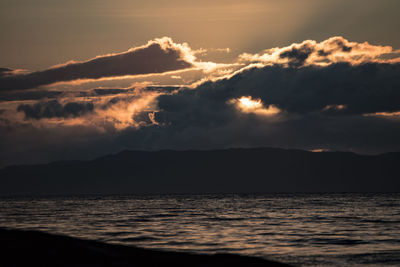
(310, 107)
(331, 95)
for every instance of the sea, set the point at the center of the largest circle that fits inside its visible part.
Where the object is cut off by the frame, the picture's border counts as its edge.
(299, 229)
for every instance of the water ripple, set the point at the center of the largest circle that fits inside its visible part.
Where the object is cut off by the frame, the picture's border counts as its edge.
(301, 229)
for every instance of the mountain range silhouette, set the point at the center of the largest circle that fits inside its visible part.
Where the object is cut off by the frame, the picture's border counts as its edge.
(237, 170)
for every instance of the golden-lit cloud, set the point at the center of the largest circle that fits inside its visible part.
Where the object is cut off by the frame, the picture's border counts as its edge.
(134, 112)
(386, 115)
(334, 107)
(133, 108)
(191, 70)
(160, 61)
(157, 56)
(333, 50)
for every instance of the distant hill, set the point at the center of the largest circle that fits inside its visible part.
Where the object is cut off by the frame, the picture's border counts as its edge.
(217, 171)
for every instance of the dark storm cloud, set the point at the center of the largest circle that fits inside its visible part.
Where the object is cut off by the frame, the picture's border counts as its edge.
(118, 91)
(110, 91)
(365, 88)
(47, 94)
(157, 56)
(29, 95)
(59, 94)
(54, 109)
(319, 107)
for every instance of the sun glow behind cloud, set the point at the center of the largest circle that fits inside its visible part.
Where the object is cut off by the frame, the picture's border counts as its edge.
(247, 104)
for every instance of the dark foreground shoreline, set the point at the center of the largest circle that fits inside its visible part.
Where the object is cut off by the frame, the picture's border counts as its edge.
(33, 248)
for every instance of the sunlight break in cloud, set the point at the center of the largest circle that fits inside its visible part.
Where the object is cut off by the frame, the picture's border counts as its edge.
(247, 104)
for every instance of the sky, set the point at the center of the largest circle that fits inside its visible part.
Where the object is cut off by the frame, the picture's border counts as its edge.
(81, 79)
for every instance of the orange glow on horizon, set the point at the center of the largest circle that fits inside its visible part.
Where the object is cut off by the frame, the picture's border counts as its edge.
(388, 115)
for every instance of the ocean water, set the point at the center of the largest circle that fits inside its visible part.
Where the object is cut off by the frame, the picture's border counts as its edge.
(300, 229)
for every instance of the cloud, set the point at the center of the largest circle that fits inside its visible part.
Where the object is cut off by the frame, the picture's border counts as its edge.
(107, 111)
(333, 50)
(53, 109)
(29, 95)
(158, 56)
(134, 111)
(59, 94)
(341, 87)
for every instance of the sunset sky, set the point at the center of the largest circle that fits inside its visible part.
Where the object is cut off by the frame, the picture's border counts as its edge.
(81, 79)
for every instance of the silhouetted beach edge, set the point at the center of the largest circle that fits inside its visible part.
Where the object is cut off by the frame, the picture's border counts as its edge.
(34, 248)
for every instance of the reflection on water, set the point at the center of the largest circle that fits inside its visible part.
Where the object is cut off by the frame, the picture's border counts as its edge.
(302, 229)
